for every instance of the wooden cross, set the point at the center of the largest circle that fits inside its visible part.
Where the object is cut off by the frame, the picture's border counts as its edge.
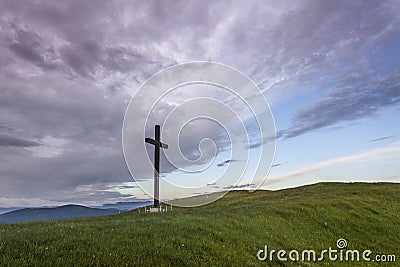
(157, 144)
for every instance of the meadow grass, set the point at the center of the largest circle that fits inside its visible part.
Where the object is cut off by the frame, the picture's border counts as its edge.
(228, 232)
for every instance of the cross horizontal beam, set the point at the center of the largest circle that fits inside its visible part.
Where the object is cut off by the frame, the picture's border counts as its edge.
(156, 143)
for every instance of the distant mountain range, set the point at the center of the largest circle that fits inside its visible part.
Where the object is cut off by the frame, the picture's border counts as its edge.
(4, 210)
(15, 215)
(39, 214)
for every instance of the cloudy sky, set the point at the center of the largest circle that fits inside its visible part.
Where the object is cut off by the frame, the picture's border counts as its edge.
(329, 70)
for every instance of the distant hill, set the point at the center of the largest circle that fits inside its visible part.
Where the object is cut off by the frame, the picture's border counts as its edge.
(228, 232)
(4, 210)
(63, 212)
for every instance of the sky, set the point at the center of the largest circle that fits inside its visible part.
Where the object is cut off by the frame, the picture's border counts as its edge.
(329, 71)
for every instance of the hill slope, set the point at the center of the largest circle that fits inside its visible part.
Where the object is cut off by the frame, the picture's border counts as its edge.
(63, 212)
(228, 232)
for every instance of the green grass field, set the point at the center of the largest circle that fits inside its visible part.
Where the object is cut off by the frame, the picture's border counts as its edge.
(228, 232)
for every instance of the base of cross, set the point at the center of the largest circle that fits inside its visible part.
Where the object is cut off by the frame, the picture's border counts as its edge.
(156, 209)
(162, 208)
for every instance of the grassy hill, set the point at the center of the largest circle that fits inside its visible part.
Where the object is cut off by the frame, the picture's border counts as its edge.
(228, 232)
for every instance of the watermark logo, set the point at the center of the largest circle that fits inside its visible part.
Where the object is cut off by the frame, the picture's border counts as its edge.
(205, 110)
(341, 243)
(340, 253)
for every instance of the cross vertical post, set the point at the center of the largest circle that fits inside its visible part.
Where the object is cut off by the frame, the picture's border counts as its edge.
(157, 168)
(157, 144)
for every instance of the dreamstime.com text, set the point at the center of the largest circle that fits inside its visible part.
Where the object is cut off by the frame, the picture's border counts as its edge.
(333, 254)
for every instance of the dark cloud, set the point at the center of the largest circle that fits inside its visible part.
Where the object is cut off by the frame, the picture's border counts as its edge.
(267, 140)
(254, 145)
(346, 105)
(382, 138)
(277, 164)
(6, 128)
(127, 187)
(226, 162)
(10, 141)
(65, 172)
(77, 39)
(239, 186)
(29, 46)
(95, 197)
